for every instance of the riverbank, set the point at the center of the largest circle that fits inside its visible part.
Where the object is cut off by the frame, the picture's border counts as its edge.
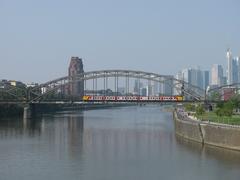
(216, 134)
(11, 110)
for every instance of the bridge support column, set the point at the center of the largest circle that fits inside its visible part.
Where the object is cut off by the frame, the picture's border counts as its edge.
(27, 112)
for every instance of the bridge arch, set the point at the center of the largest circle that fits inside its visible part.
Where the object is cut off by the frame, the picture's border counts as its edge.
(193, 91)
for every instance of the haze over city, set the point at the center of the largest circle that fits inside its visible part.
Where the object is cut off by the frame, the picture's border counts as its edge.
(119, 89)
(38, 38)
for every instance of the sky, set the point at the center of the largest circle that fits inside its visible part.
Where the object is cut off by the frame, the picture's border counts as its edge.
(38, 38)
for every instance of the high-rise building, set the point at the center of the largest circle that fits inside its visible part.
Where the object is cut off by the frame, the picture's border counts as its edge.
(167, 87)
(199, 78)
(186, 75)
(143, 91)
(177, 88)
(195, 77)
(150, 88)
(206, 78)
(238, 64)
(229, 66)
(121, 90)
(76, 88)
(137, 86)
(235, 68)
(232, 68)
(217, 75)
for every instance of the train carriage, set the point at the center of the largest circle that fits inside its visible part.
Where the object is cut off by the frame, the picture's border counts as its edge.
(133, 98)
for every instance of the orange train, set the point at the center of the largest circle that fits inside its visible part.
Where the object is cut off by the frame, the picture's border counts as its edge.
(133, 98)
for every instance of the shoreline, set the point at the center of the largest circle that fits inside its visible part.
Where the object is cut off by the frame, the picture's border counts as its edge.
(215, 134)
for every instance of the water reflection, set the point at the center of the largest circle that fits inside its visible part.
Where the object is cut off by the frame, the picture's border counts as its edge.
(123, 143)
(18, 127)
(64, 129)
(225, 156)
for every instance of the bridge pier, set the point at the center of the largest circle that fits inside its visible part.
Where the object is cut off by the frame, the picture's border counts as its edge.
(27, 112)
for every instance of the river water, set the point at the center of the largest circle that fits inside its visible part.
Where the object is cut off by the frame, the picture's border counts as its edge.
(124, 143)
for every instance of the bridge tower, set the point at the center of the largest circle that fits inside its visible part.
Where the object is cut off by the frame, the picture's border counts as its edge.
(76, 88)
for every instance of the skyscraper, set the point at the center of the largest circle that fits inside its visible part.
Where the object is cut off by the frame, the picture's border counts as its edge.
(195, 77)
(233, 68)
(76, 88)
(217, 75)
(229, 67)
(238, 64)
(167, 87)
(206, 78)
(137, 86)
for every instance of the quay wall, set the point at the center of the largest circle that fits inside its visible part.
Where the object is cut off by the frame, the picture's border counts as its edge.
(189, 130)
(220, 135)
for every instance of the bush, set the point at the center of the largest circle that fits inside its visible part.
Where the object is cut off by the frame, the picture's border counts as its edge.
(189, 107)
(200, 110)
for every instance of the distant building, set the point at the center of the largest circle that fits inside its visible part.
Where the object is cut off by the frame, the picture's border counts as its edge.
(150, 88)
(4, 83)
(16, 83)
(195, 77)
(166, 88)
(76, 88)
(229, 67)
(233, 68)
(217, 75)
(206, 78)
(177, 88)
(143, 91)
(228, 92)
(32, 84)
(137, 86)
(121, 90)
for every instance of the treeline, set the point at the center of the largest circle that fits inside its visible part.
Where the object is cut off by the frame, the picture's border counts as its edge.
(10, 110)
(222, 108)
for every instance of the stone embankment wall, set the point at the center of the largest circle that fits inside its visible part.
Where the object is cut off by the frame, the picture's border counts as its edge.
(188, 129)
(221, 135)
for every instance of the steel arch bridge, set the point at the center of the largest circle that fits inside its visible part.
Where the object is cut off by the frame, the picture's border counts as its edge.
(36, 94)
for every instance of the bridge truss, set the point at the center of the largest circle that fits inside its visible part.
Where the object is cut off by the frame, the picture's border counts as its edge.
(182, 87)
(58, 86)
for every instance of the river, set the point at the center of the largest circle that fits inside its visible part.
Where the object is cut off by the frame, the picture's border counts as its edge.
(125, 143)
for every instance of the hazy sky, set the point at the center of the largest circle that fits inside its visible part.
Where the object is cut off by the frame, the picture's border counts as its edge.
(38, 37)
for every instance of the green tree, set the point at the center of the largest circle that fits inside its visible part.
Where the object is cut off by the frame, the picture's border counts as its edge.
(236, 101)
(219, 112)
(228, 108)
(215, 96)
(220, 104)
(200, 110)
(189, 107)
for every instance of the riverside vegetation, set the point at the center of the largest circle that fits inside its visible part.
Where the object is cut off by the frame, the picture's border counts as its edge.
(226, 112)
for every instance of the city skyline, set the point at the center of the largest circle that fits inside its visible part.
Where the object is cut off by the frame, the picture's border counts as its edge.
(38, 38)
(180, 74)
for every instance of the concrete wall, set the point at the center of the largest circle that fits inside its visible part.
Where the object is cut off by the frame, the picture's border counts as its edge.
(220, 135)
(188, 130)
